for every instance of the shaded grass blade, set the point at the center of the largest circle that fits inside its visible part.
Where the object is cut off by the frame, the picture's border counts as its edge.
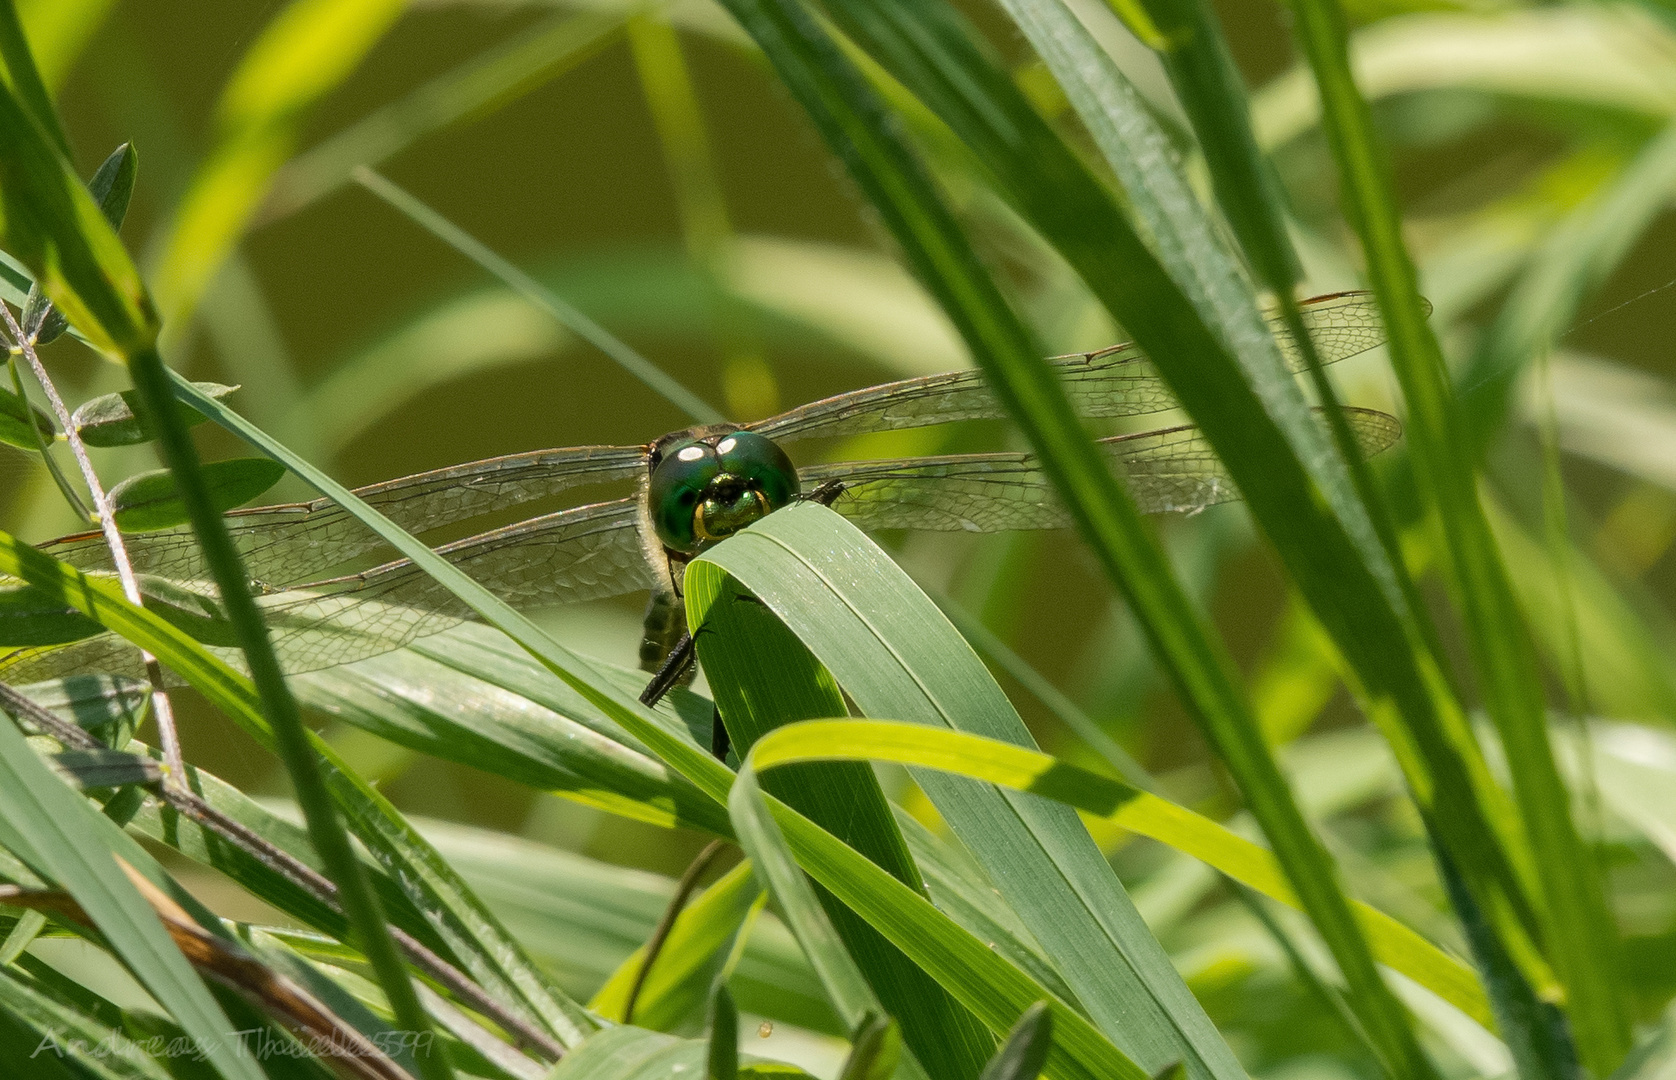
(778, 681)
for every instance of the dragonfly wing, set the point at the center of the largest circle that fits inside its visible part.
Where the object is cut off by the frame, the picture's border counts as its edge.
(586, 553)
(283, 545)
(1119, 381)
(1114, 382)
(1173, 470)
(1342, 325)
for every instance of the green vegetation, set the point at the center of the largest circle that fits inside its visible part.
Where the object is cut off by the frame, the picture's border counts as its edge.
(1370, 775)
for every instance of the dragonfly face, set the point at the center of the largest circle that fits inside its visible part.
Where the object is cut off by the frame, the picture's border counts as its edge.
(706, 485)
(695, 487)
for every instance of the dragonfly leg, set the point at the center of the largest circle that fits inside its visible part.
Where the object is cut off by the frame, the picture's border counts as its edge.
(827, 493)
(676, 669)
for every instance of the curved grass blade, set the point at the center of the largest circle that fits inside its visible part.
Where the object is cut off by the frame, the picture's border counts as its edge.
(992, 988)
(778, 682)
(1129, 807)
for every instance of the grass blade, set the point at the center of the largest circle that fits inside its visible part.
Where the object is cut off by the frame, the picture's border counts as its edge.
(56, 831)
(1579, 933)
(778, 681)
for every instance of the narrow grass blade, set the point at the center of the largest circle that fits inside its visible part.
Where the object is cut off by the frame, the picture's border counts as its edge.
(483, 84)
(608, 343)
(56, 831)
(1131, 808)
(561, 744)
(1579, 934)
(1191, 329)
(440, 893)
(995, 990)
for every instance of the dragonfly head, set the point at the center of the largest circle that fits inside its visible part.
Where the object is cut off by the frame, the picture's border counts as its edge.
(705, 489)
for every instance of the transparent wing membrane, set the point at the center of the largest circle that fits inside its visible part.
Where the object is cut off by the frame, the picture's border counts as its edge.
(1174, 470)
(1119, 381)
(284, 545)
(595, 551)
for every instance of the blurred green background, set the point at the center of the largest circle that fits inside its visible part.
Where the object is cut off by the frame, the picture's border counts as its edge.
(378, 351)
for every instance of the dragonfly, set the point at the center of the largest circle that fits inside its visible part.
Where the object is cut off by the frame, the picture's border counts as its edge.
(693, 488)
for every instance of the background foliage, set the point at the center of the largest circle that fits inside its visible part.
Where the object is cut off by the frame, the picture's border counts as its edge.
(649, 166)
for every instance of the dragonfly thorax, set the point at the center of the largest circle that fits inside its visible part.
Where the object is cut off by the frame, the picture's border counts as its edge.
(705, 489)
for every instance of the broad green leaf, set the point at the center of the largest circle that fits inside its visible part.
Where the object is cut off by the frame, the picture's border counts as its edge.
(113, 419)
(18, 417)
(994, 989)
(151, 500)
(778, 681)
(306, 50)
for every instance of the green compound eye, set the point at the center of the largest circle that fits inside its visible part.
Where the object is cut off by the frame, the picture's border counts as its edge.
(761, 464)
(701, 493)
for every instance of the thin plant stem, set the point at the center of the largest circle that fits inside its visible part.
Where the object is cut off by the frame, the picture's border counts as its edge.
(480, 253)
(190, 804)
(174, 765)
(326, 830)
(683, 891)
(57, 474)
